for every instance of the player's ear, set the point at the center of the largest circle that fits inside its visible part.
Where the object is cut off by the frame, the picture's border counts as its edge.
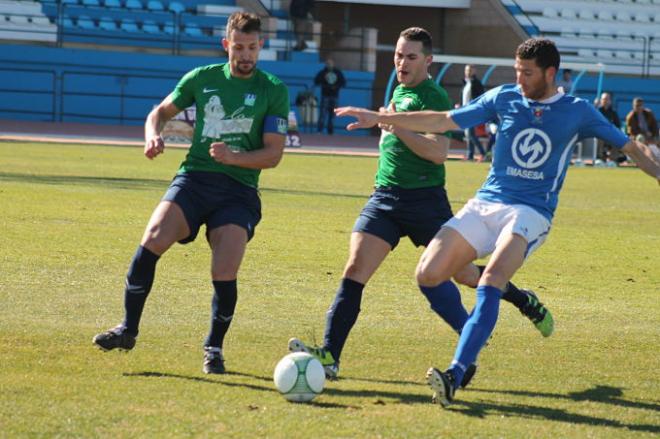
(225, 44)
(429, 60)
(262, 40)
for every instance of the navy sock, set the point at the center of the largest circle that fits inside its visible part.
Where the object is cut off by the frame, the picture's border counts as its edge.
(510, 293)
(476, 331)
(342, 315)
(139, 280)
(222, 311)
(445, 300)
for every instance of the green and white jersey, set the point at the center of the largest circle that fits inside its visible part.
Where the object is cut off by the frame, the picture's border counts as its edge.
(232, 110)
(397, 164)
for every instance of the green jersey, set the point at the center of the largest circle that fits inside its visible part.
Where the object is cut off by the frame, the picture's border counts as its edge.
(232, 110)
(397, 164)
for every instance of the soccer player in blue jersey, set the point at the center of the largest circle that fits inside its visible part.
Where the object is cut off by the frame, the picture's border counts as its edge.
(511, 215)
(409, 200)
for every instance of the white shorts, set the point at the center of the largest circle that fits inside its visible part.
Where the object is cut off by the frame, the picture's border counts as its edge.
(484, 223)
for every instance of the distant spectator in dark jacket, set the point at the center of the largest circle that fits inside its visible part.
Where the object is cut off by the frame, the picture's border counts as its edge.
(301, 15)
(606, 152)
(472, 89)
(641, 124)
(331, 79)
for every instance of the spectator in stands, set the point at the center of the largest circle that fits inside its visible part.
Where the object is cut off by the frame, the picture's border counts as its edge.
(241, 126)
(641, 124)
(565, 84)
(331, 80)
(472, 89)
(301, 15)
(606, 152)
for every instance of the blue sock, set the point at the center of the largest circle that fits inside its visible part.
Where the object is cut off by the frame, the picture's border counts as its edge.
(342, 315)
(476, 331)
(445, 300)
(222, 311)
(139, 280)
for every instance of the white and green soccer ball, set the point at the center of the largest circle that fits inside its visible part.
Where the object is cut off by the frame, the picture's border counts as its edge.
(299, 377)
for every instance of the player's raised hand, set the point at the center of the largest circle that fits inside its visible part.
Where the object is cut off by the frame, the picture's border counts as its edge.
(365, 118)
(220, 152)
(153, 146)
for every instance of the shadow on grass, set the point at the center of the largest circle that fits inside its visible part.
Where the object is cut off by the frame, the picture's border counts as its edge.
(81, 180)
(601, 394)
(378, 395)
(152, 374)
(139, 183)
(374, 380)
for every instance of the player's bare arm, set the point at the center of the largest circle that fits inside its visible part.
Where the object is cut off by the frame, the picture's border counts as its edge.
(267, 157)
(418, 121)
(156, 120)
(646, 160)
(432, 147)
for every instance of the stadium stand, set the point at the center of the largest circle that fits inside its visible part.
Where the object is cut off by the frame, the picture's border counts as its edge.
(624, 35)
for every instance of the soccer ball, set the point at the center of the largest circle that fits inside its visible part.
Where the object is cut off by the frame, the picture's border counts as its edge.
(299, 377)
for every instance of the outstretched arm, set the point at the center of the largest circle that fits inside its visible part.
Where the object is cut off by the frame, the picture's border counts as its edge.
(644, 157)
(419, 121)
(153, 143)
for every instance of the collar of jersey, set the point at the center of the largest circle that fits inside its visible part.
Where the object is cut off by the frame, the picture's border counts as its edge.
(551, 100)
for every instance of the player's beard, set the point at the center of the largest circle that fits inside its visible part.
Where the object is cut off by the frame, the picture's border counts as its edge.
(537, 91)
(245, 68)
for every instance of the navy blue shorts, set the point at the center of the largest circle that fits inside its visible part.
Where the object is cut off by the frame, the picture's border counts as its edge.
(214, 199)
(393, 212)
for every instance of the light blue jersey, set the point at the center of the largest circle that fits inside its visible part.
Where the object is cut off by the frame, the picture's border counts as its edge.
(534, 143)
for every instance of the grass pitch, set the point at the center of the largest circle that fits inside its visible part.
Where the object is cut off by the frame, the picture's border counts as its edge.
(72, 217)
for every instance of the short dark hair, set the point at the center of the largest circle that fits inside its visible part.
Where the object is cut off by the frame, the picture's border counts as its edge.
(419, 34)
(245, 22)
(542, 50)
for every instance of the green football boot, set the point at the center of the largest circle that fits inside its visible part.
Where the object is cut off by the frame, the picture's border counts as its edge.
(535, 311)
(328, 362)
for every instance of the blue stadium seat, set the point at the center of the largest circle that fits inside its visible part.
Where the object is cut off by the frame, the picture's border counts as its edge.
(70, 2)
(112, 4)
(155, 5)
(108, 24)
(129, 25)
(168, 28)
(193, 30)
(91, 3)
(176, 7)
(68, 22)
(133, 4)
(150, 27)
(85, 22)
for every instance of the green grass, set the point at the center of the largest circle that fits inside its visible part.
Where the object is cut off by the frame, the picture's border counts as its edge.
(72, 217)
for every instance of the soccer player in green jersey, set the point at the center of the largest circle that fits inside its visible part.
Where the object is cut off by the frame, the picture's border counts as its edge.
(240, 130)
(409, 200)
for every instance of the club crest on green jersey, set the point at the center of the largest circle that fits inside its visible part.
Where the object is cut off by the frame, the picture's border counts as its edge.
(249, 99)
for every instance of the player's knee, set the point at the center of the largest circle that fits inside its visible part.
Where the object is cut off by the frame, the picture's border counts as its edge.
(430, 276)
(155, 241)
